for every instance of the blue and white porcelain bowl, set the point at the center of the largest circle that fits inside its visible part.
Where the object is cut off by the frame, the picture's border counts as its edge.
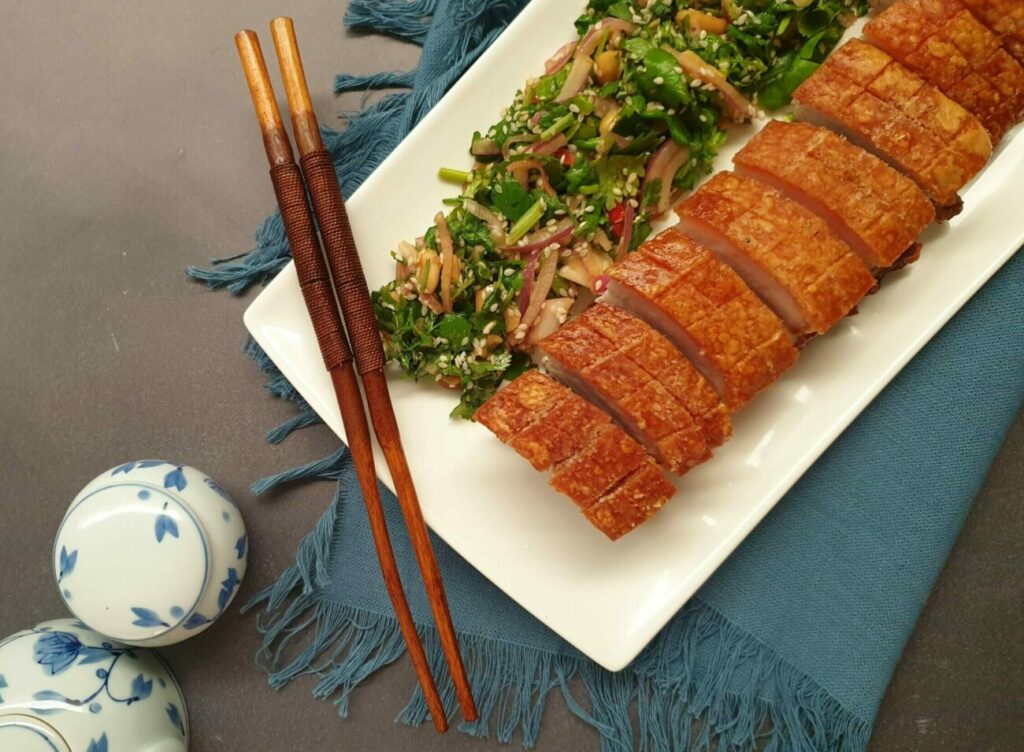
(64, 688)
(150, 553)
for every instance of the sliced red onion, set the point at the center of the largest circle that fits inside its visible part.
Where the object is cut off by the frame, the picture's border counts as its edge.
(537, 116)
(664, 165)
(549, 147)
(521, 171)
(737, 106)
(558, 235)
(577, 78)
(495, 226)
(627, 229)
(506, 150)
(581, 62)
(590, 41)
(600, 284)
(557, 61)
(528, 275)
(485, 147)
(541, 288)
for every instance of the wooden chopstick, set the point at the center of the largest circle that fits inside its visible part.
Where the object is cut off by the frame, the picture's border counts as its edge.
(354, 296)
(318, 293)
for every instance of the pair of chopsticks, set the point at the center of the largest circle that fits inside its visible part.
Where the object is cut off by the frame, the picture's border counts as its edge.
(315, 275)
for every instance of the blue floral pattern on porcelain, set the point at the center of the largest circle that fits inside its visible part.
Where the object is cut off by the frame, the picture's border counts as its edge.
(76, 690)
(151, 552)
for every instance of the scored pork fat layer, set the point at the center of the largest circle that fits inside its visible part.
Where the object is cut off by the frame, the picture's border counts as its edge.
(705, 310)
(784, 252)
(593, 366)
(650, 350)
(882, 106)
(876, 210)
(946, 45)
(1006, 19)
(596, 463)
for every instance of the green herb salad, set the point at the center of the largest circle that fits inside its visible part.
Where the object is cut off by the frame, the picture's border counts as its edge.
(624, 119)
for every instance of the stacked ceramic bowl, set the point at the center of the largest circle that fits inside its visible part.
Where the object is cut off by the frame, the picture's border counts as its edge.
(149, 554)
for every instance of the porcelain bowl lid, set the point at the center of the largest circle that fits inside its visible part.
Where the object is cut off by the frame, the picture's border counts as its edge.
(132, 560)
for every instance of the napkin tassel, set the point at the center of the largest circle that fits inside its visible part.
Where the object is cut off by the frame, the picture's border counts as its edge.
(743, 697)
(747, 699)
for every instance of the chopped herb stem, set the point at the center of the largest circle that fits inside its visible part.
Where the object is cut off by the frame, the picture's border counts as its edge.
(526, 222)
(454, 176)
(557, 127)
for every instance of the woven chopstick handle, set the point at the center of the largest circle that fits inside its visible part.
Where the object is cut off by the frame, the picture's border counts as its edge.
(343, 260)
(314, 278)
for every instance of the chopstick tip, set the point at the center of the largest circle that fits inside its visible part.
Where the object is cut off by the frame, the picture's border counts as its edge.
(284, 23)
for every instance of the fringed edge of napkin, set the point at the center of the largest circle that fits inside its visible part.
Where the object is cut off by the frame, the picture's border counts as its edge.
(662, 702)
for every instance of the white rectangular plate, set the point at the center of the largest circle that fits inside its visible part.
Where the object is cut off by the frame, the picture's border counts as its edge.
(610, 599)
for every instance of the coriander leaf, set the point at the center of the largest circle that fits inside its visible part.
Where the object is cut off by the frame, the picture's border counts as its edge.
(510, 198)
(778, 91)
(455, 329)
(581, 173)
(621, 10)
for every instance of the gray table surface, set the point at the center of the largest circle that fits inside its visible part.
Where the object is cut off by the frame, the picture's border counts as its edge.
(128, 150)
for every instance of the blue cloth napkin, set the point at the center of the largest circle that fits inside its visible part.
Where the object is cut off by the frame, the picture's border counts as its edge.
(789, 646)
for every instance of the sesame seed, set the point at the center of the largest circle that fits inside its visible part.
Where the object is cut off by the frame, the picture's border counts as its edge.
(589, 209)
(658, 81)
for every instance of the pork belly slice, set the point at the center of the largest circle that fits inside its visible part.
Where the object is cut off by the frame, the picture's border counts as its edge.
(881, 106)
(1006, 19)
(784, 252)
(560, 434)
(871, 207)
(592, 365)
(948, 47)
(705, 310)
(609, 457)
(595, 461)
(541, 419)
(524, 402)
(650, 350)
(634, 500)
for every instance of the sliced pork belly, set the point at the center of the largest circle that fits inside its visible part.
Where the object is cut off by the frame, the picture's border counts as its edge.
(596, 463)
(880, 105)
(560, 434)
(655, 354)
(631, 502)
(948, 47)
(612, 480)
(784, 252)
(591, 364)
(525, 401)
(1006, 19)
(874, 209)
(705, 310)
